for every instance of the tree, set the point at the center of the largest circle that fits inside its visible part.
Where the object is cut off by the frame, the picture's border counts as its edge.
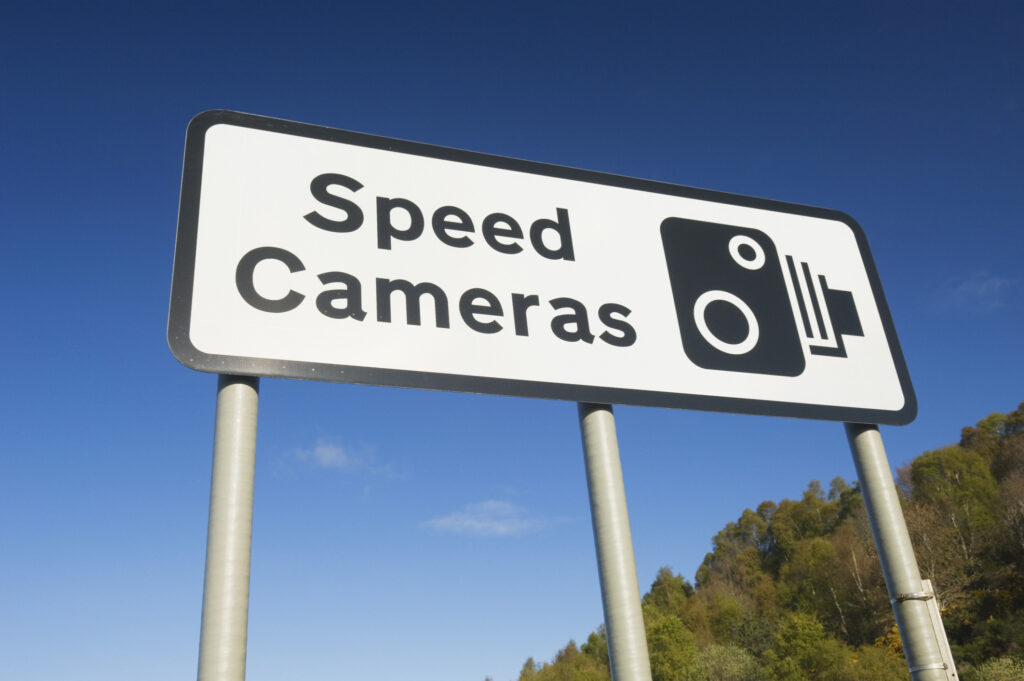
(794, 592)
(668, 593)
(808, 582)
(672, 648)
(812, 516)
(729, 663)
(570, 664)
(999, 439)
(878, 664)
(860, 592)
(997, 669)
(803, 652)
(957, 482)
(953, 516)
(596, 648)
(736, 565)
(529, 670)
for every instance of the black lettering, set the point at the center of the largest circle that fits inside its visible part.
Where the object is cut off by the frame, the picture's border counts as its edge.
(386, 229)
(353, 214)
(520, 304)
(413, 293)
(452, 219)
(561, 228)
(247, 289)
(578, 319)
(351, 294)
(491, 233)
(628, 336)
(469, 308)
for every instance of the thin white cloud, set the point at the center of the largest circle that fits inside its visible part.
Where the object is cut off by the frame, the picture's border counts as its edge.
(978, 291)
(490, 518)
(335, 457)
(327, 455)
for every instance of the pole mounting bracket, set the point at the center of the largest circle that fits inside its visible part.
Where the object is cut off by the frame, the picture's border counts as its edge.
(936, 665)
(913, 596)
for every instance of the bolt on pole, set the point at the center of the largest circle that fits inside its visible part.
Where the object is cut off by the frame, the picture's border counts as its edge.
(899, 565)
(616, 565)
(225, 618)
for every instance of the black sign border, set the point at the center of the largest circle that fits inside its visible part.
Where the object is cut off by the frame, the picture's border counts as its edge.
(179, 317)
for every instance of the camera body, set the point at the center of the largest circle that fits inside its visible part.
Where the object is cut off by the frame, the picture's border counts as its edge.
(731, 299)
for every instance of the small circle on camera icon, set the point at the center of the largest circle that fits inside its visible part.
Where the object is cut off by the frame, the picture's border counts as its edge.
(746, 252)
(700, 318)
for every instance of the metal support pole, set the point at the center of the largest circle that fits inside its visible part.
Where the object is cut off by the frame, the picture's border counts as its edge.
(620, 593)
(899, 565)
(226, 584)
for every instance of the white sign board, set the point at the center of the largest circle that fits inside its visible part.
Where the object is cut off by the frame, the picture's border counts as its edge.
(314, 253)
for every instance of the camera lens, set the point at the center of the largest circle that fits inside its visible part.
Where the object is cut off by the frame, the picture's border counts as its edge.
(728, 323)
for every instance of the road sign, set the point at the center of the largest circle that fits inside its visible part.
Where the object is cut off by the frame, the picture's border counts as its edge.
(308, 252)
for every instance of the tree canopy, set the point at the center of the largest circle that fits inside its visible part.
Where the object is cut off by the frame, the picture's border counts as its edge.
(793, 591)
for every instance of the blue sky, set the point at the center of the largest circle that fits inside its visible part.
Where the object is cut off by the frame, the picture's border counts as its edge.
(407, 534)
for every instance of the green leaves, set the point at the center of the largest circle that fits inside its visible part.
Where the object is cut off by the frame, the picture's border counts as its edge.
(672, 648)
(793, 591)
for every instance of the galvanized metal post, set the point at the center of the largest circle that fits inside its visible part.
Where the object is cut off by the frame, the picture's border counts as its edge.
(222, 637)
(899, 565)
(940, 631)
(620, 593)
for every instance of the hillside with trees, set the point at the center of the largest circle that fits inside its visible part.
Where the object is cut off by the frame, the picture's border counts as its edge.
(793, 590)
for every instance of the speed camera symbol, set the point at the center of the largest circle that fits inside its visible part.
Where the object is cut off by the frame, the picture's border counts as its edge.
(734, 308)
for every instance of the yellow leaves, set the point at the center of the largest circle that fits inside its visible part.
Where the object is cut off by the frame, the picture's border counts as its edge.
(891, 641)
